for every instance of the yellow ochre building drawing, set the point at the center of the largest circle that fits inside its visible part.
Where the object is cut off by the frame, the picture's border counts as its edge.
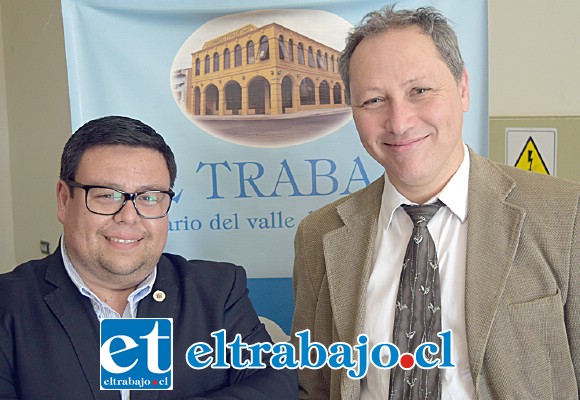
(271, 70)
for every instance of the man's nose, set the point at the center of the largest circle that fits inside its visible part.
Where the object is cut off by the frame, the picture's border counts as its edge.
(400, 116)
(128, 213)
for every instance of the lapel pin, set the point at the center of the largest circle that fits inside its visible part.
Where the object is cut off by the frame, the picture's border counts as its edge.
(159, 296)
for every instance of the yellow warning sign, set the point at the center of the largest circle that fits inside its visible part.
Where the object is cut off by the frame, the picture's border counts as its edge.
(530, 159)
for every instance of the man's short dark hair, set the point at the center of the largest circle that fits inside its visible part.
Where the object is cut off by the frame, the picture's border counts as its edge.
(113, 130)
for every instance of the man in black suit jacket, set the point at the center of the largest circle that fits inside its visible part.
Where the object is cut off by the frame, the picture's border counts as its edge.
(110, 265)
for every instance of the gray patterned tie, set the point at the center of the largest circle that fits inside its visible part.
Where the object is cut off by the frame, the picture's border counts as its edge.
(418, 308)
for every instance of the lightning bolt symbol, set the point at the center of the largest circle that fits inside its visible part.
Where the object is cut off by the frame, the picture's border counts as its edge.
(530, 158)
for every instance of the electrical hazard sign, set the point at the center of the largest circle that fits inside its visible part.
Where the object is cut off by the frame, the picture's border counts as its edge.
(532, 149)
(530, 159)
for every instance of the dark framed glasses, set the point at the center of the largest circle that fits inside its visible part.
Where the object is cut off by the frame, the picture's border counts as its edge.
(103, 200)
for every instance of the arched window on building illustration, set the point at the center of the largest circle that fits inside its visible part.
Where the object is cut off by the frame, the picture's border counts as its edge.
(196, 101)
(307, 94)
(250, 53)
(212, 100)
(286, 93)
(216, 61)
(207, 65)
(324, 93)
(264, 49)
(326, 60)
(238, 56)
(259, 95)
(337, 93)
(300, 54)
(311, 62)
(197, 67)
(282, 49)
(291, 49)
(233, 93)
(320, 60)
(227, 57)
(332, 62)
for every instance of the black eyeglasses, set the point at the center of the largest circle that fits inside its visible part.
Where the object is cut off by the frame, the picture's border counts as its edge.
(104, 200)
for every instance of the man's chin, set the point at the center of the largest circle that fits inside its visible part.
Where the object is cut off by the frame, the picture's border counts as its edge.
(127, 270)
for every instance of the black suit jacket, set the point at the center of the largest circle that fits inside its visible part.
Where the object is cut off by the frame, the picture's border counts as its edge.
(49, 333)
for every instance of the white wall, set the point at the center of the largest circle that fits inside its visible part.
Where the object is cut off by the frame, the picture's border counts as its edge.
(38, 121)
(534, 56)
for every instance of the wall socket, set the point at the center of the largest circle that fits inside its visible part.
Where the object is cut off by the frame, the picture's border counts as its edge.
(44, 247)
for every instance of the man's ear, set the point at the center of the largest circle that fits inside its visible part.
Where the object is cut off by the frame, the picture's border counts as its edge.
(464, 90)
(63, 196)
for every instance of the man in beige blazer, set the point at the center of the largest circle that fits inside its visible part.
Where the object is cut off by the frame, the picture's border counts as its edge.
(520, 296)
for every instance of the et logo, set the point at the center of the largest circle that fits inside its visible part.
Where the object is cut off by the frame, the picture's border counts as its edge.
(137, 354)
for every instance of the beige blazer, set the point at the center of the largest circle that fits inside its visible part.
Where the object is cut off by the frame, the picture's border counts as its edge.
(522, 285)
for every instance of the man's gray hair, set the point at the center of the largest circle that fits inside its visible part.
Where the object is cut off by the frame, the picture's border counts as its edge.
(428, 19)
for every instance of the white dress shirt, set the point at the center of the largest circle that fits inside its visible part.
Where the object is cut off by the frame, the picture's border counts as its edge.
(449, 231)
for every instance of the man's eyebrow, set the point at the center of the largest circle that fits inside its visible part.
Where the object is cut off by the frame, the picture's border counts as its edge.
(143, 188)
(376, 88)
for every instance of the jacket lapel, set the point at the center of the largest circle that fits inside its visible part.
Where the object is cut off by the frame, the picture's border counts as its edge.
(493, 233)
(163, 299)
(348, 255)
(78, 319)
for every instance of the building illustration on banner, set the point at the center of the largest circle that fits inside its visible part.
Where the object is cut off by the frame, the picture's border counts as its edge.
(532, 149)
(281, 77)
(263, 85)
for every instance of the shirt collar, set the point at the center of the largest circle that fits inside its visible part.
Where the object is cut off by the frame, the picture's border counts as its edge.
(454, 194)
(142, 290)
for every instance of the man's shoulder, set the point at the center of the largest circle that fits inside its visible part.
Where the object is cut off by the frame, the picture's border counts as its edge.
(198, 271)
(550, 184)
(536, 186)
(22, 285)
(205, 282)
(359, 200)
(26, 272)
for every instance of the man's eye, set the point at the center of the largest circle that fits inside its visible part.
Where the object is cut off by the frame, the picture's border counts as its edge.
(374, 100)
(420, 90)
(149, 198)
(106, 195)
(115, 196)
